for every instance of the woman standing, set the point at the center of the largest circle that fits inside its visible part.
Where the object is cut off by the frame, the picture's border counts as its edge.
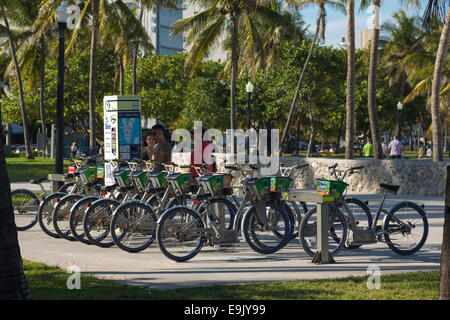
(148, 148)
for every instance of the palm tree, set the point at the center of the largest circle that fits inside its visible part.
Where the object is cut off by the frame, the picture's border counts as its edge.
(351, 82)
(31, 51)
(405, 40)
(13, 284)
(372, 81)
(26, 132)
(320, 29)
(206, 27)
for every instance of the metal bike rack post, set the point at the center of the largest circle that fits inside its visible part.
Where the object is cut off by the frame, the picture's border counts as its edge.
(322, 255)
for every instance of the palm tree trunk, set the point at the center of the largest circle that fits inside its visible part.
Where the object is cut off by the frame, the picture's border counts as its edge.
(351, 72)
(122, 76)
(300, 81)
(311, 136)
(234, 70)
(444, 288)
(13, 284)
(26, 132)
(372, 84)
(435, 91)
(135, 58)
(92, 76)
(42, 83)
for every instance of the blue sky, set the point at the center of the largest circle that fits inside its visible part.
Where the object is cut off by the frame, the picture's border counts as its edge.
(337, 21)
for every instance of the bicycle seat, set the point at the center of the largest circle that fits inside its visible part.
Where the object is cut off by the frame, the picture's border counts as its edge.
(37, 181)
(389, 187)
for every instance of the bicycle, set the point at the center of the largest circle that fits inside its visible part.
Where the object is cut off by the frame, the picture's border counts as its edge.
(26, 202)
(133, 222)
(352, 235)
(182, 231)
(83, 176)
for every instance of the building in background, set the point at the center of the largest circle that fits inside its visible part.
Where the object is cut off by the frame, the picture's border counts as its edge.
(365, 39)
(158, 24)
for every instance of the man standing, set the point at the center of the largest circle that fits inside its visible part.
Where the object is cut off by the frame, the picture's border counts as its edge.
(395, 149)
(163, 149)
(368, 149)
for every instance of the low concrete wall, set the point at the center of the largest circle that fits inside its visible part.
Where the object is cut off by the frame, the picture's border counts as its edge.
(417, 177)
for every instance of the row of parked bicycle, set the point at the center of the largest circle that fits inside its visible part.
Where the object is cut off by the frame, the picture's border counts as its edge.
(182, 213)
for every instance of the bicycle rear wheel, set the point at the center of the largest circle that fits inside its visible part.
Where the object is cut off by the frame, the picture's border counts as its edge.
(337, 232)
(180, 233)
(133, 226)
(26, 206)
(267, 236)
(406, 228)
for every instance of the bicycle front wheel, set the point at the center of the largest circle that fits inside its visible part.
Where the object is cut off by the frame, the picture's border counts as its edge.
(406, 228)
(26, 206)
(181, 233)
(97, 220)
(45, 213)
(133, 226)
(76, 218)
(337, 232)
(267, 234)
(61, 215)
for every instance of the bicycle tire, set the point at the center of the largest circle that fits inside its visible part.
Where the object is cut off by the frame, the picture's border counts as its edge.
(167, 231)
(45, 213)
(76, 218)
(390, 227)
(94, 221)
(24, 223)
(61, 215)
(250, 226)
(308, 228)
(123, 226)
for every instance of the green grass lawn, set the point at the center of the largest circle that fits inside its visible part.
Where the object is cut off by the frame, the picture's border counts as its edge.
(48, 282)
(21, 169)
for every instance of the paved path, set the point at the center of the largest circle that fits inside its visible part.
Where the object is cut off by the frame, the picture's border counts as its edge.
(234, 265)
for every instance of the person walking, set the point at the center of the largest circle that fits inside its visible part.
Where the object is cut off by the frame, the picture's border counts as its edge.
(383, 147)
(421, 153)
(395, 149)
(73, 149)
(429, 151)
(368, 149)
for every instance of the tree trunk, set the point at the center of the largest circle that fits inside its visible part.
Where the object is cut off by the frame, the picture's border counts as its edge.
(323, 13)
(234, 70)
(42, 83)
(372, 83)
(300, 81)
(350, 125)
(312, 134)
(122, 76)
(338, 142)
(92, 77)
(135, 58)
(435, 91)
(26, 132)
(13, 284)
(444, 288)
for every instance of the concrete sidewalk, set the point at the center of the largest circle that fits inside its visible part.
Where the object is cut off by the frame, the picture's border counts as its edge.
(235, 265)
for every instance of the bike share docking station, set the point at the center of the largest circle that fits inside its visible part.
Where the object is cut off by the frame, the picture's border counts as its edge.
(323, 203)
(122, 130)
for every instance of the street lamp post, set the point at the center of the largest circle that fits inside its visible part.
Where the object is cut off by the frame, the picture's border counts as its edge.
(399, 120)
(249, 89)
(62, 15)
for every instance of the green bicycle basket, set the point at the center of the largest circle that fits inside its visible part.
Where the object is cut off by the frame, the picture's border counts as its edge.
(157, 179)
(215, 183)
(330, 187)
(263, 187)
(180, 181)
(88, 175)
